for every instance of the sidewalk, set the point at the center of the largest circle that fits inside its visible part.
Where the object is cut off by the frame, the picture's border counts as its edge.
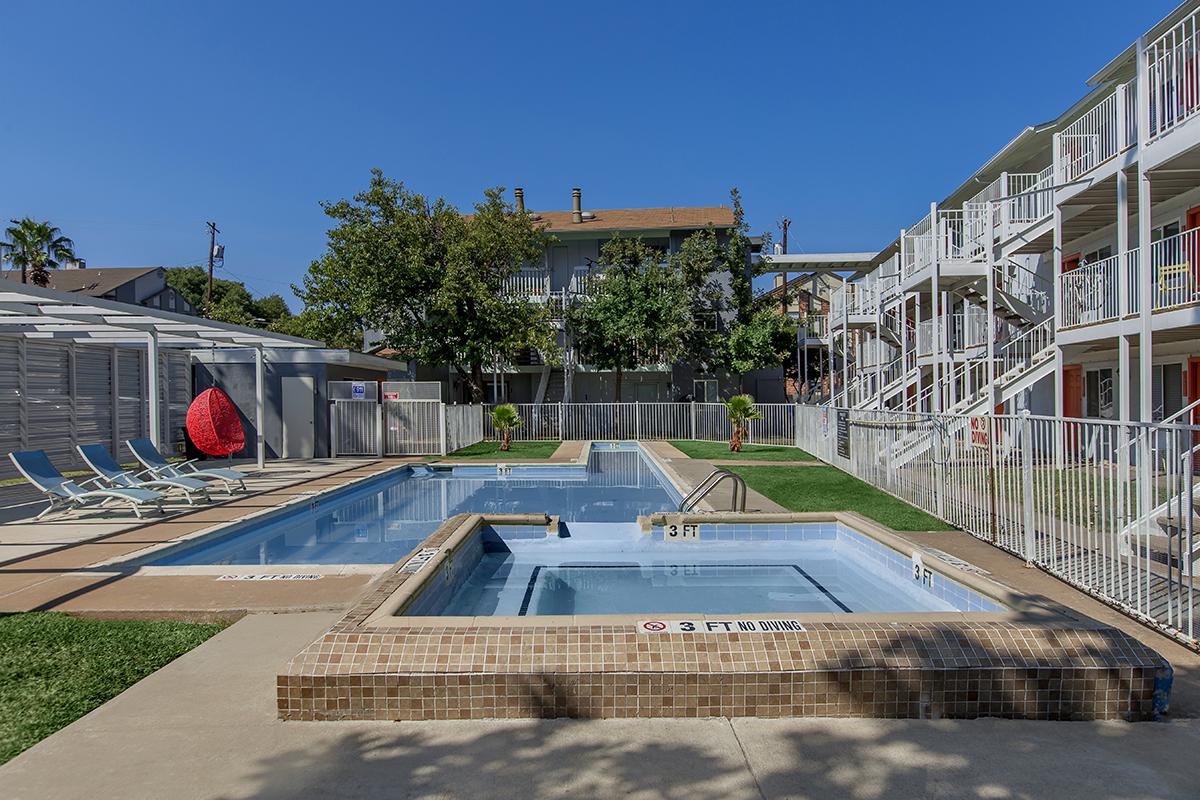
(205, 727)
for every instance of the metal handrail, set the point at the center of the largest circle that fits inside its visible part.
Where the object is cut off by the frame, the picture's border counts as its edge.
(711, 482)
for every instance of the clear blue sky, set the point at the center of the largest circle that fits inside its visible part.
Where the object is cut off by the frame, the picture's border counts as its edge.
(130, 124)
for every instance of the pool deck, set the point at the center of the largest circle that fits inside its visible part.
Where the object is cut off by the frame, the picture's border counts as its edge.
(204, 726)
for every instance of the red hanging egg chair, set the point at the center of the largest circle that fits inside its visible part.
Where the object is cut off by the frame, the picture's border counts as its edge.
(213, 424)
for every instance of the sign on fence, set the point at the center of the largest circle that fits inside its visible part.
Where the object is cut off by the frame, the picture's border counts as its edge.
(843, 433)
(981, 432)
(358, 390)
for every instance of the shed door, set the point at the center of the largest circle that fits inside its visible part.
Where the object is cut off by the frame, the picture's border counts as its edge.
(299, 405)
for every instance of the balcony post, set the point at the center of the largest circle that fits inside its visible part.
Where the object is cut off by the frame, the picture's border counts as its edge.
(991, 308)
(1145, 265)
(936, 309)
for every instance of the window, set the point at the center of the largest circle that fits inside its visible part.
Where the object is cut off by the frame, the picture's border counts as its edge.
(1098, 387)
(704, 391)
(1098, 255)
(1168, 390)
(1164, 231)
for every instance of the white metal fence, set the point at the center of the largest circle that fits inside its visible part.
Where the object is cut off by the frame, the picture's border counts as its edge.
(1107, 507)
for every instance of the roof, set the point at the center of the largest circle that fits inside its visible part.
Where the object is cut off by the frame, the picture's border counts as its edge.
(815, 262)
(798, 283)
(92, 282)
(638, 219)
(32, 312)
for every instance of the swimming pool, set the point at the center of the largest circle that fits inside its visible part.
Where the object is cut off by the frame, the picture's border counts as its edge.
(381, 520)
(801, 568)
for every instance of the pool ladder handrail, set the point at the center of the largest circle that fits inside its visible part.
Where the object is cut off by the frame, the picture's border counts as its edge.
(706, 486)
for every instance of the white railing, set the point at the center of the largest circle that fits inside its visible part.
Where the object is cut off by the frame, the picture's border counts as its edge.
(962, 234)
(1090, 140)
(1025, 285)
(1063, 494)
(464, 426)
(1031, 200)
(528, 282)
(917, 247)
(969, 328)
(815, 326)
(584, 280)
(1173, 72)
(927, 329)
(1032, 347)
(1175, 262)
(1091, 293)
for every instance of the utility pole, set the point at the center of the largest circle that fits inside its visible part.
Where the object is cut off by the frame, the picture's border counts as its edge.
(784, 224)
(213, 230)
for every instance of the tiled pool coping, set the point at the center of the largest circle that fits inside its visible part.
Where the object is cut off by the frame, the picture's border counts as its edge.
(1028, 662)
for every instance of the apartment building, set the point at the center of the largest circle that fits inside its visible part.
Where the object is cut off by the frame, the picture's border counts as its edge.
(1063, 276)
(569, 268)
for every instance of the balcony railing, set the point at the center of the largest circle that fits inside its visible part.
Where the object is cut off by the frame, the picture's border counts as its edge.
(528, 282)
(815, 326)
(1091, 294)
(1107, 129)
(1175, 262)
(1031, 199)
(1173, 72)
(917, 247)
(962, 233)
(969, 329)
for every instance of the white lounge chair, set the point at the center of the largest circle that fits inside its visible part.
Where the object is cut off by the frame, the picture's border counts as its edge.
(64, 493)
(110, 473)
(146, 453)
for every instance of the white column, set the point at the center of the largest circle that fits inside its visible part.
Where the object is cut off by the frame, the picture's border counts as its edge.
(152, 385)
(1057, 254)
(935, 312)
(1125, 378)
(1145, 268)
(259, 405)
(990, 276)
(115, 395)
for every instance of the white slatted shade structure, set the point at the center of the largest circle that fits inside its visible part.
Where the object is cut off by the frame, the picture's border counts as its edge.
(79, 369)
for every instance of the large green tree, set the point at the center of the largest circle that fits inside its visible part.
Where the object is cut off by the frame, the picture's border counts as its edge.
(34, 248)
(638, 311)
(428, 279)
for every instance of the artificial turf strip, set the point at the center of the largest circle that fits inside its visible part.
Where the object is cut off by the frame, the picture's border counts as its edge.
(830, 489)
(55, 668)
(492, 450)
(719, 451)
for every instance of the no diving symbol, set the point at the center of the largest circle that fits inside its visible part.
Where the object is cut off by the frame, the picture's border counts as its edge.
(654, 626)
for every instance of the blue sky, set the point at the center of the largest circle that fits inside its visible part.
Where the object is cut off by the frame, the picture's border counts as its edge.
(130, 124)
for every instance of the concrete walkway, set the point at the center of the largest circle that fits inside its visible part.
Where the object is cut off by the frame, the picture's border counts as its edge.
(205, 727)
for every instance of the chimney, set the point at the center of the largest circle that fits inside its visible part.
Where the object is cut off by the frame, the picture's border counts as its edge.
(519, 193)
(576, 205)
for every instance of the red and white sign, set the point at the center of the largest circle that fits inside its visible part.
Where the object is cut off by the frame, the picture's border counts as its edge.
(720, 626)
(981, 432)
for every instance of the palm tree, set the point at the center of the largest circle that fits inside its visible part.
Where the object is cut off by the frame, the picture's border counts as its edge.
(505, 420)
(35, 247)
(740, 410)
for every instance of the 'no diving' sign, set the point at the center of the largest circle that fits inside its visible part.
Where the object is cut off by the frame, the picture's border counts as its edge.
(720, 626)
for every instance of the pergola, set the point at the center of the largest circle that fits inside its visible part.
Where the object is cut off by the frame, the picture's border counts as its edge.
(34, 313)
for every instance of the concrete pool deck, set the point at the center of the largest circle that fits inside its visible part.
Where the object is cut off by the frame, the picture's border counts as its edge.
(204, 726)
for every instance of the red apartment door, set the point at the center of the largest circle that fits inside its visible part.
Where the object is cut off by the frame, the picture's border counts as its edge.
(1072, 403)
(1071, 262)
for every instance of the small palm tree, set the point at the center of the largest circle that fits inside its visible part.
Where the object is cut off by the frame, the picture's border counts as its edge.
(505, 420)
(35, 247)
(740, 410)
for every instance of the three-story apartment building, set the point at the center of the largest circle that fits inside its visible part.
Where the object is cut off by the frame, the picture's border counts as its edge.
(1064, 275)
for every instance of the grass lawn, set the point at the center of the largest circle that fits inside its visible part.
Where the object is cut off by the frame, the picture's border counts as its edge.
(55, 668)
(830, 489)
(519, 450)
(719, 451)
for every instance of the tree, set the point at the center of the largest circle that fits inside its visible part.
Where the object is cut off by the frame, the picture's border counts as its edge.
(429, 279)
(637, 313)
(767, 339)
(506, 419)
(35, 247)
(232, 301)
(740, 409)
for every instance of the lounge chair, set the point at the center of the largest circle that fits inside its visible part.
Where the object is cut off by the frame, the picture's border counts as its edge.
(110, 473)
(146, 453)
(64, 493)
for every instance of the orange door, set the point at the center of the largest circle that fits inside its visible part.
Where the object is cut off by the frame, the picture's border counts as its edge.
(1071, 262)
(1072, 403)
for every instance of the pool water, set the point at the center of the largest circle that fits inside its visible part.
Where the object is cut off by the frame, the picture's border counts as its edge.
(742, 569)
(382, 520)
